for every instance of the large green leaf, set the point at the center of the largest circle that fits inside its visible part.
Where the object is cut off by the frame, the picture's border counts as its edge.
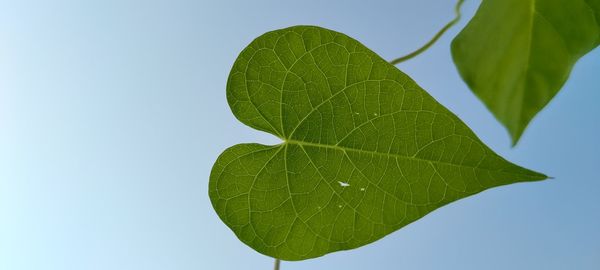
(365, 150)
(516, 54)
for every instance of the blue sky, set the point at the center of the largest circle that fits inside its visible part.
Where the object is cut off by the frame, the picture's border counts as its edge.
(113, 112)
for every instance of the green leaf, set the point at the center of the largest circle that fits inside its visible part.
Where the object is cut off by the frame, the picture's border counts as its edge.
(365, 150)
(515, 55)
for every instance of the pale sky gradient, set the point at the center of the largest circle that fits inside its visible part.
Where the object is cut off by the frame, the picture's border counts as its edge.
(113, 112)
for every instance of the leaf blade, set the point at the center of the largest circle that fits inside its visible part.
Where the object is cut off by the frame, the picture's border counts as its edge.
(365, 150)
(516, 55)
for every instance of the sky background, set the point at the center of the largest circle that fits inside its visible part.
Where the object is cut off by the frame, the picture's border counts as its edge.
(113, 112)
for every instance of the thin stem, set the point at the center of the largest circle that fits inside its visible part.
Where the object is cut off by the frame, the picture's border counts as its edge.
(434, 39)
(277, 262)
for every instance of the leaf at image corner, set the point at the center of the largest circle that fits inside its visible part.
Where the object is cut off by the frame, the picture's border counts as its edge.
(365, 150)
(515, 55)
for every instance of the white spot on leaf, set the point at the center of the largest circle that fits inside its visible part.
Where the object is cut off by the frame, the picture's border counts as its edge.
(343, 184)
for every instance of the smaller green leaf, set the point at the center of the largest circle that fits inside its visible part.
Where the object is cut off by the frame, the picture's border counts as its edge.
(365, 150)
(515, 55)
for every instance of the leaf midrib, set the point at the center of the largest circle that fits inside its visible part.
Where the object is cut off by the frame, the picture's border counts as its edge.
(349, 149)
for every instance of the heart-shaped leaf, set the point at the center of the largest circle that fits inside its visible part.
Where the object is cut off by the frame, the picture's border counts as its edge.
(515, 55)
(365, 150)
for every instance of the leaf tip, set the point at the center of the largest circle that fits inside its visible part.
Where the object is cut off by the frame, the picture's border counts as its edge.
(515, 133)
(541, 177)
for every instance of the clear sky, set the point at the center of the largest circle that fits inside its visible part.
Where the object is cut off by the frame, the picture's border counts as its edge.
(113, 112)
